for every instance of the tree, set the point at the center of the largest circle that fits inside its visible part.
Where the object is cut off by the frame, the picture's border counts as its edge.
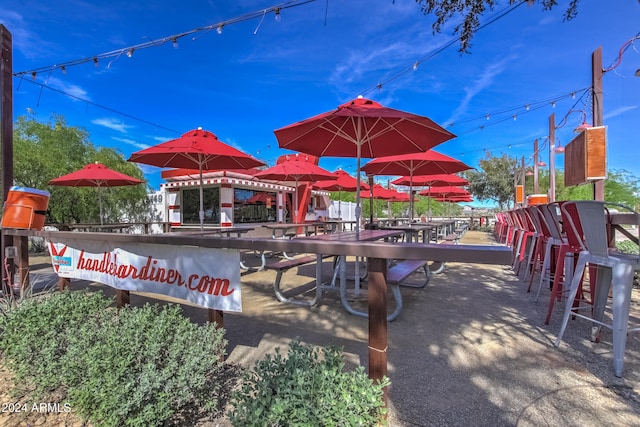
(494, 180)
(43, 151)
(471, 10)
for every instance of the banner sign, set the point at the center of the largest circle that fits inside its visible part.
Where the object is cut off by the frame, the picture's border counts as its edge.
(203, 276)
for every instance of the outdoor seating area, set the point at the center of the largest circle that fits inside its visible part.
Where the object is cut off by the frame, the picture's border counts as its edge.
(570, 248)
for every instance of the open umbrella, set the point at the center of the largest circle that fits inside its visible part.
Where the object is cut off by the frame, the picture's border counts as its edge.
(95, 175)
(197, 149)
(436, 180)
(296, 169)
(345, 182)
(429, 162)
(362, 128)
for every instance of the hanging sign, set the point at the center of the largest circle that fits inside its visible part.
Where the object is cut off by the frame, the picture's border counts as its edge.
(206, 277)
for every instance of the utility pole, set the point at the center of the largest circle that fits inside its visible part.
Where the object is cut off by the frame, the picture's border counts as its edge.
(596, 81)
(6, 138)
(552, 157)
(535, 167)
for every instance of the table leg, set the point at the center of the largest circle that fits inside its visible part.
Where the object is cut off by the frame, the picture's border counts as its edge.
(378, 321)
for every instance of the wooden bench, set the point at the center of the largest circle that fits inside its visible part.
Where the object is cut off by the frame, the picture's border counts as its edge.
(399, 272)
(438, 266)
(285, 265)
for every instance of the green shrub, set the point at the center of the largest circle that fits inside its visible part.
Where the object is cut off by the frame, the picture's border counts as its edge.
(305, 389)
(34, 335)
(133, 367)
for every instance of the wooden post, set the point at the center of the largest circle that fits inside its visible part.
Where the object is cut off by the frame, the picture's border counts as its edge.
(535, 167)
(64, 283)
(22, 245)
(596, 79)
(6, 138)
(217, 317)
(377, 300)
(122, 298)
(552, 157)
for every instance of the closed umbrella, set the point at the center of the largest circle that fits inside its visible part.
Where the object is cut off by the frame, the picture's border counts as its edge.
(362, 128)
(197, 149)
(95, 175)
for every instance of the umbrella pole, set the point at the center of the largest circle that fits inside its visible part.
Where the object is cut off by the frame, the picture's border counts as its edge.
(411, 194)
(358, 209)
(339, 204)
(201, 199)
(100, 203)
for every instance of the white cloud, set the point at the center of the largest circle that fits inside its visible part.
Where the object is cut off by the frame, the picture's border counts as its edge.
(162, 138)
(619, 111)
(74, 91)
(484, 81)
(131, 142)
(112, 124)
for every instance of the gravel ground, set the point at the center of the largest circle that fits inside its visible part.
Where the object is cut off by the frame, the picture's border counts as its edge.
(469, 349)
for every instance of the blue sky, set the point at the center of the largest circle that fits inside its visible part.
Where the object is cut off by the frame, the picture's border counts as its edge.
(261, 74)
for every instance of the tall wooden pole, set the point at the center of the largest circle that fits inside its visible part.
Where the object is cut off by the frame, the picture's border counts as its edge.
(535, 167)
(552, 157)
(6, 133)
(596, 79)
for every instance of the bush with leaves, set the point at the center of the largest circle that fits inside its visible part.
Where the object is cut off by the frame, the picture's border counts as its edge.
(133, 367)
(305, 389)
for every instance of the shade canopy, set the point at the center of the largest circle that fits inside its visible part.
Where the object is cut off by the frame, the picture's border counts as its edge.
(197, 149)
(296, 169)
(444, 192)
(429, 162)
(379, 193)
(437, 180)
(362, 128)
(344, 182)
(95, 175)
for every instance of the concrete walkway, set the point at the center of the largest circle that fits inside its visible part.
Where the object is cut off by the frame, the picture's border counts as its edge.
(469, 349)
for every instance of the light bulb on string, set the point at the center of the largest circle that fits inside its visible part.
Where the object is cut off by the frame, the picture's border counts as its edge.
(130, 53)
(63, 69)
(527, 107)
(219, 29)
(95, 62)
(277, 14)
(415, 65)
(515, 117)
(553, 104)
(175, 42)
(488, 116)
(33, 75)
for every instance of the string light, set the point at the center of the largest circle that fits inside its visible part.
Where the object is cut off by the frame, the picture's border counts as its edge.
(115, 54)
(277, 14)
(527, 107)
(415, 65)
(553, 104)
(63, 69)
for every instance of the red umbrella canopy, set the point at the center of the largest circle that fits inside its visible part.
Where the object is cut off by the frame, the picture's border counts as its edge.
(197, 149)
(95, 175)
(427, 163)
(362, 128)
(345, 182)
(379, 192)
(444, 192)
(436, 180)
(296, 169)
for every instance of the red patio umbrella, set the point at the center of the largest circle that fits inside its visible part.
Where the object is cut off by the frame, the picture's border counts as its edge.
(436, 180)
(296, 169)
(197, 149)
(345, 182)
(429, 162)
(362, 128)
(95, 175)
(444, 192)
